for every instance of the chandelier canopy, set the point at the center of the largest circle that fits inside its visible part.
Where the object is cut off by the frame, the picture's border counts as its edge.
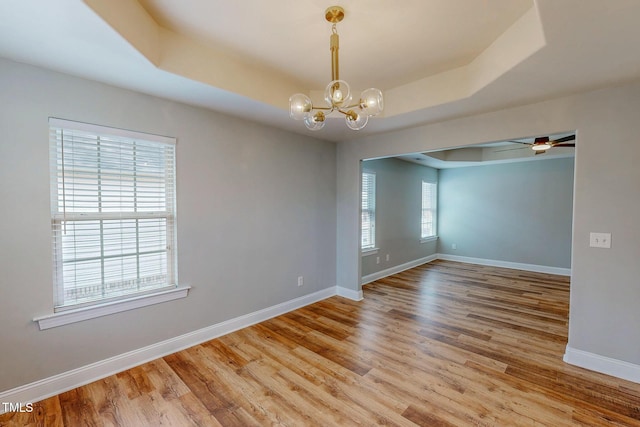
(337, 93)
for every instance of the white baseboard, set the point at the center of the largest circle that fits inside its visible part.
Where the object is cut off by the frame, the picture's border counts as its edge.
(65, 381)
(397, 269)
(350, 293)
(606, 365)
(506, 264)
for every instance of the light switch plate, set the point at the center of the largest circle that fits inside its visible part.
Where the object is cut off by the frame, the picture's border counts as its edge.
(600, 240)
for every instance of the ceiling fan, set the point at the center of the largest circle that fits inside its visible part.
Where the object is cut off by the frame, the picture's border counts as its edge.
(541, 144)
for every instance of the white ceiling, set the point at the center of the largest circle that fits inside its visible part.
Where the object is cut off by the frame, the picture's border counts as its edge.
(433, 59)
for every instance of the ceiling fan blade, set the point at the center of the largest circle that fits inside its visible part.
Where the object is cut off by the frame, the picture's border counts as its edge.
(564, 139)
(564, 145)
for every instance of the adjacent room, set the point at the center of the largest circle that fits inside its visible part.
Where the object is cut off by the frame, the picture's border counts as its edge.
(500, 204)
(319, 213)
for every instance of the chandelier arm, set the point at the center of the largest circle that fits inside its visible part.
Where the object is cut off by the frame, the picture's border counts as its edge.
(351, 114)
(357, 104)
(342, 111)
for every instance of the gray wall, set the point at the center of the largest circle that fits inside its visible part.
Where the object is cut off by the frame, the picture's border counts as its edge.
(604, 314)
(398, 213)
(256, 209)
(497, 212)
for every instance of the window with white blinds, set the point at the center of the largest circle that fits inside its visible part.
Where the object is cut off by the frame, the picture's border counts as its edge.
(429, 209)
(112, 213)
(368, 211)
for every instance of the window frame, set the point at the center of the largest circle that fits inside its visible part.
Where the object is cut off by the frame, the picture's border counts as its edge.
(65, 312)
(429, 204)
(370, 199)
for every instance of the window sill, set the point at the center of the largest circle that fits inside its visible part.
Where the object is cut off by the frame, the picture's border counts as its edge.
(370, 251)
(86, 313)
(428, 239)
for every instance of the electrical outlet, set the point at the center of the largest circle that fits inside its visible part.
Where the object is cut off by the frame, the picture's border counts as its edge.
(600, 240)
(300, 280)
(454, 246)
(377, 260)
(387, 257)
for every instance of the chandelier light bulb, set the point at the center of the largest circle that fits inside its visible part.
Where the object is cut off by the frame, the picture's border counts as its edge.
(356, 120)
(337, 93)
(371, 101)
(300, 106)
(315, 122)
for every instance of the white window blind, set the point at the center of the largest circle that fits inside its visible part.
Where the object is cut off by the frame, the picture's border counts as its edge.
(368, 210)
(429, 211)
(112, 213)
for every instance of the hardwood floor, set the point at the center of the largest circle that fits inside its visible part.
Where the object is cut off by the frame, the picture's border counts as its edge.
(443, 344)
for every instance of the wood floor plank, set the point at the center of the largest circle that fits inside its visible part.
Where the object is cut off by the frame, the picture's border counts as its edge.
(45, 413)
(442, 344)
(78, 408)
(211, 392)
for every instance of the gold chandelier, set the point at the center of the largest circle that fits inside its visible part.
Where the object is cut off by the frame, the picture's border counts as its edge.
(338, 93)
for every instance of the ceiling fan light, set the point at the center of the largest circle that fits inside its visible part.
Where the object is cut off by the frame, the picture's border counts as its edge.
(300, 106)
(371, 101)
(540, 146)
(337, 93)
(356, 121)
